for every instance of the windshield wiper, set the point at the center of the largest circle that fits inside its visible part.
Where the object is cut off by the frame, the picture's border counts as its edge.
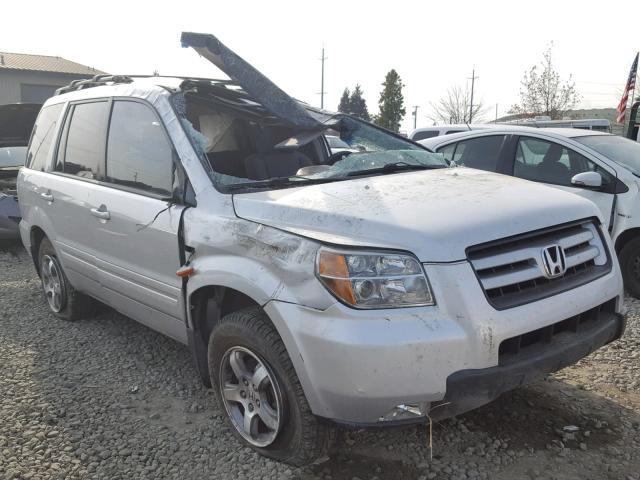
(280, 182)
(394, 167)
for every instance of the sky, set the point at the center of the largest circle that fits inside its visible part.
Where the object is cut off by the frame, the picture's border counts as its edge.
(432, 45)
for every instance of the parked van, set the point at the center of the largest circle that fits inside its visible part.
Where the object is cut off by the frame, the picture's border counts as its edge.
(371, 288)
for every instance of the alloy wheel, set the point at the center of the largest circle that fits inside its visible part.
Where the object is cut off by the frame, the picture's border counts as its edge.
(251, 395)
(52, 283)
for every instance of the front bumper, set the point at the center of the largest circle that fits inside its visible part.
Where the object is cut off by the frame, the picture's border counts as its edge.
(469, 389)
(355, 366)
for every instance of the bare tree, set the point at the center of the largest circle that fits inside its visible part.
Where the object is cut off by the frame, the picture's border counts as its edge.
(543, 92)
(455, 107)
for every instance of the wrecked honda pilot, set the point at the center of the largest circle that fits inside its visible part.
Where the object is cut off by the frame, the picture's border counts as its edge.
(374, 286)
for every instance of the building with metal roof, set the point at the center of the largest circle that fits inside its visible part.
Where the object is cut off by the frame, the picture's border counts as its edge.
(30, 78)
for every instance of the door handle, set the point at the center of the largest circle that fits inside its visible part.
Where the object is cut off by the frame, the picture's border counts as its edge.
(46, 196)
(101, 212)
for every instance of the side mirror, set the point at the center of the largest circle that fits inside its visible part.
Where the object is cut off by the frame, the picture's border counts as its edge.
(587, 179)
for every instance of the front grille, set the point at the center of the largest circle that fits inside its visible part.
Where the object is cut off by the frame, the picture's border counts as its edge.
(512, 273)
(513, 349)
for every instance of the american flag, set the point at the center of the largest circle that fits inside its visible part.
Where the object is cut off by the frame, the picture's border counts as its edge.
(631, 85)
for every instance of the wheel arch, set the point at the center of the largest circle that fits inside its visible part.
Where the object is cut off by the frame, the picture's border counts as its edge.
(207, 305)
(36, 235)
(625, 237)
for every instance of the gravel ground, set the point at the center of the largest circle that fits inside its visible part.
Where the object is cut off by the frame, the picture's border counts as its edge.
(108, 398)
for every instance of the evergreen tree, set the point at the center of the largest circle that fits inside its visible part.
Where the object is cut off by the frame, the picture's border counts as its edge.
(391, 103)
(358, 105)
(345, 102)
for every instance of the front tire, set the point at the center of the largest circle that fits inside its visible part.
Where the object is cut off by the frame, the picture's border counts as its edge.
(259, 392)
(630, 265)
(64, 301)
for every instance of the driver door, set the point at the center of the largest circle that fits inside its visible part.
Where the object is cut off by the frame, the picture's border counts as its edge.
(555, 164)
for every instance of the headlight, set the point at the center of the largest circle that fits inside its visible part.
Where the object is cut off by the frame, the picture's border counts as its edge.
(374, 280)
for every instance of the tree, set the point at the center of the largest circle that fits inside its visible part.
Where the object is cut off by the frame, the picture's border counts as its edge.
(455, 107)
(354, 103)
(391, 103)
(358, 105)
(345, 102)
(543, 92)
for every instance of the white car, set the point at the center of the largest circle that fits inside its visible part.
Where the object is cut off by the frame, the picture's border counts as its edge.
(599, 166)
(423, 133)
(337, 145)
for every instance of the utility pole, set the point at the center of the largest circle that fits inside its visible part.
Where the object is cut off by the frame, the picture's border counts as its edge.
(496, 120)
(322, 92)
(415, 116)
(473, 81)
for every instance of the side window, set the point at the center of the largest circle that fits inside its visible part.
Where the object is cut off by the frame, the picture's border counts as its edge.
(448, 151)
(84, 142)
(548, 162)
(139, 154)
(42, 137)
(425, 134)
(481, 152)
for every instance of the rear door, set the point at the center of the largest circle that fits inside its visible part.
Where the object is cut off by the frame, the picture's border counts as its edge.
(485, 152)
(554, 163)
(67, 193)
(136, 222)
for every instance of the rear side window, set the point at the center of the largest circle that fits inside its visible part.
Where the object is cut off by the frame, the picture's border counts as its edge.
(139, 154)
(481, 153)
(85, 139)
(42, 137)
(425, 134)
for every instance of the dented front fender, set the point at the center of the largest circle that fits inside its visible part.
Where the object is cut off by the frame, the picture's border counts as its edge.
(262, 262)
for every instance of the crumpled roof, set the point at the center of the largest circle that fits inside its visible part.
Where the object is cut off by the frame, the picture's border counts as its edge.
(44, 63)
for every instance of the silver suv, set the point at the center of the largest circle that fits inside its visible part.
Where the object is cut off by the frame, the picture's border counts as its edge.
(372, 286)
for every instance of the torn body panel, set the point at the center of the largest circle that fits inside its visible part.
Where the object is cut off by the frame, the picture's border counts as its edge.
(251, 80)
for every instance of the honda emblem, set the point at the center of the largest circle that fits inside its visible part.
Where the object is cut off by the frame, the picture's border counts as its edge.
(553, 260)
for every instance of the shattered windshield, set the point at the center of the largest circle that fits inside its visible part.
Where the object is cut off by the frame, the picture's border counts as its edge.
(256, 152)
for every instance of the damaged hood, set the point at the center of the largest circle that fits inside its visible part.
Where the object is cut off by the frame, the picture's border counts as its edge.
(16, 123)
(435, 214)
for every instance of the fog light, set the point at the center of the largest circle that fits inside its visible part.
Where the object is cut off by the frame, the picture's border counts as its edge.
(406, 411)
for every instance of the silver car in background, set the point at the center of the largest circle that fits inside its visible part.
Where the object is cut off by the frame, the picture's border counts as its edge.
(375, 287)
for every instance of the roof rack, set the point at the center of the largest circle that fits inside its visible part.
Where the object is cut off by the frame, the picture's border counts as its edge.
(94, 81)
(103, 79)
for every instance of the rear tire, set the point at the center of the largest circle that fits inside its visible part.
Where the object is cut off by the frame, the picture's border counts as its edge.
(244, 346)
(64, 301)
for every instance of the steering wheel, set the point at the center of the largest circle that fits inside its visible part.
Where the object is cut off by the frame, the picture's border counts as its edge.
(336, 157)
